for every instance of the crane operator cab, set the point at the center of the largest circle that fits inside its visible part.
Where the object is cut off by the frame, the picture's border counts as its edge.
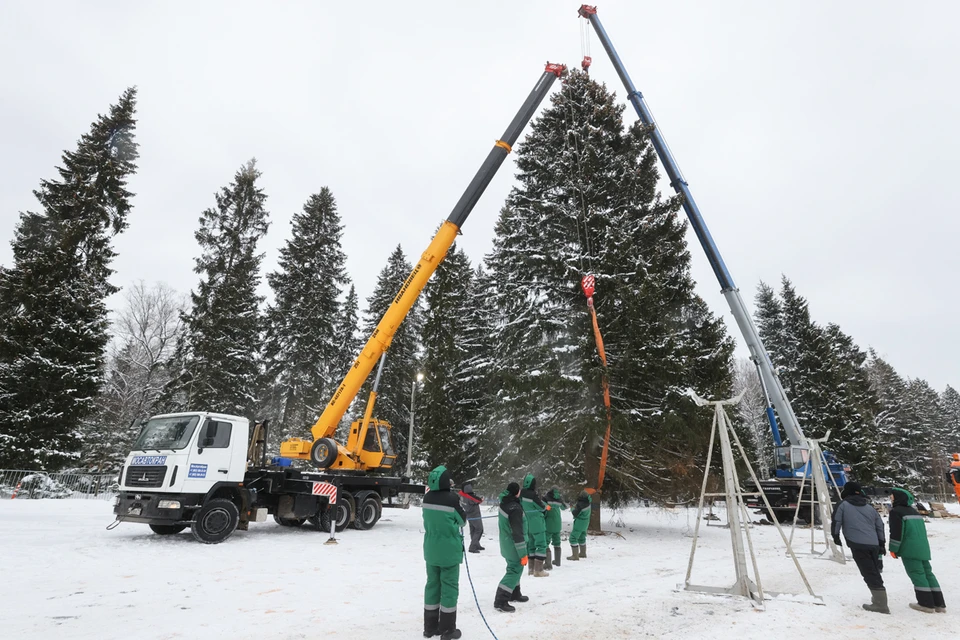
(794, 462)
(379, 450)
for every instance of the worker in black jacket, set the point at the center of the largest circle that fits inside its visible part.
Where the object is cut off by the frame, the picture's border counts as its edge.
(471, 506)
(513, 548)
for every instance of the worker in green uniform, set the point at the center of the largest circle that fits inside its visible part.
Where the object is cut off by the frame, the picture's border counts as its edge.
(581, 520)
(554, 523)
(533, 509)
(513, 548)
(443, 519)
(908, 543)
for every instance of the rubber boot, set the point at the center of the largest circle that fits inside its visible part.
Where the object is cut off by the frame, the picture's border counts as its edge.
(547, 565)
(538, 571)
(431, 623)
(556, 556)
(920, 607)
(516, 596)
(583, 550)
(502, 601)
(448, 626)
(878, 602)
(576, 552)
(938, 603)
(530, 563)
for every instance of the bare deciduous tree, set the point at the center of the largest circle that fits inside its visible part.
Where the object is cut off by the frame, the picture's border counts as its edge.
(145, 335)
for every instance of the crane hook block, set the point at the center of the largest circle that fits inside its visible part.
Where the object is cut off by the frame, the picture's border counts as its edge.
(556, 69)
(587, 60)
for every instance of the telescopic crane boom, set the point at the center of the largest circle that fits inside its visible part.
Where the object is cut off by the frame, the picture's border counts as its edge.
(321, 449)
(771, 383)
(809, 458)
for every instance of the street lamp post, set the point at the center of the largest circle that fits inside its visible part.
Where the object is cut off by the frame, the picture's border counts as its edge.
(413, 393)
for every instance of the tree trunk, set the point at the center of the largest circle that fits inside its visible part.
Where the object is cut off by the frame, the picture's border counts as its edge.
(591, 468)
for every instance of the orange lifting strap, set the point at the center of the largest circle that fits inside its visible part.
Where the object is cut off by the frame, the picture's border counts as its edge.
(588, 283)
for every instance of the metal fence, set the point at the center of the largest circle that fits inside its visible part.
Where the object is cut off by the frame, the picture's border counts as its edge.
(25, 485)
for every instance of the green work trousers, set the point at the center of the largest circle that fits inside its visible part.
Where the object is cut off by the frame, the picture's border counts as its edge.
(553, 538)
(537, 545)
(924, 582)
(512, 577)
(443, 588)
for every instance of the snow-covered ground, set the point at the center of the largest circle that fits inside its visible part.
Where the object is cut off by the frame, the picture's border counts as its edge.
(65, 576)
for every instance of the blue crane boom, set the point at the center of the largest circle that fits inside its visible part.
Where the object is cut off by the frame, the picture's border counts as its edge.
(772, 387)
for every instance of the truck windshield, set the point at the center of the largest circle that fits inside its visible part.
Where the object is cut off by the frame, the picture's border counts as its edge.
(167, 433)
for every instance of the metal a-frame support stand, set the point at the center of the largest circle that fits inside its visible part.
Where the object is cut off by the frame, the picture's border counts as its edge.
(820, 503)
(737, 514)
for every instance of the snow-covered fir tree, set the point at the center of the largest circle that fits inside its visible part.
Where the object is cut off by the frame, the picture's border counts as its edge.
(950, 401)
(921, 449)
(53, 316)
(588, 202)
(447, 408)
(219, 354)
(889, 390)
(400, 368)
(823, 375)
(304, 345)
(347, 330)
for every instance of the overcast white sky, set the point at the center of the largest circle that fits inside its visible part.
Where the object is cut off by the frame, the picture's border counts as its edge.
(819, 138)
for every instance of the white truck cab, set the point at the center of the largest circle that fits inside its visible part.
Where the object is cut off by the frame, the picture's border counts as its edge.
(187, 453)
(179, 464)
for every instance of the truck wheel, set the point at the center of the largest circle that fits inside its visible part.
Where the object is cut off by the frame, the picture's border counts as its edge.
(368, 510)
(323, 453)
(322, 520)
(289, 522)
(167, 529)
(215, 521)
(345, 510)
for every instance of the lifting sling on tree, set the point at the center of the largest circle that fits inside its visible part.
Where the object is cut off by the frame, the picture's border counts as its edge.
(589, 286)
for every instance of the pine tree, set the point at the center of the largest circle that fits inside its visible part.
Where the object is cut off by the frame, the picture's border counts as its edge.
(400, 368)
(921, 437)
(588, 201)
(950, 400)
(850, 406)
(822, 372)
(53, 316)
(446, 413)
(304, 346)
(347, 329)
(220, 351)
(889, 389)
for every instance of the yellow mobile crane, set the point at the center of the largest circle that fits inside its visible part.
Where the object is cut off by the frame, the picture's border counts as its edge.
(370, 442)
(195, 469)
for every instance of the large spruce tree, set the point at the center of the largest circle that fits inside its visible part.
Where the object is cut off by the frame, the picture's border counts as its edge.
(219, 354)
(400, 369)
(53, 316)
(447, 408)
(304, 346)
(587, 201)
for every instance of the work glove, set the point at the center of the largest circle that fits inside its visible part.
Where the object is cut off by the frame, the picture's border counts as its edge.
(523, 561)
(548, 507)
(894, 556)
(836, 541)
(883, 549)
